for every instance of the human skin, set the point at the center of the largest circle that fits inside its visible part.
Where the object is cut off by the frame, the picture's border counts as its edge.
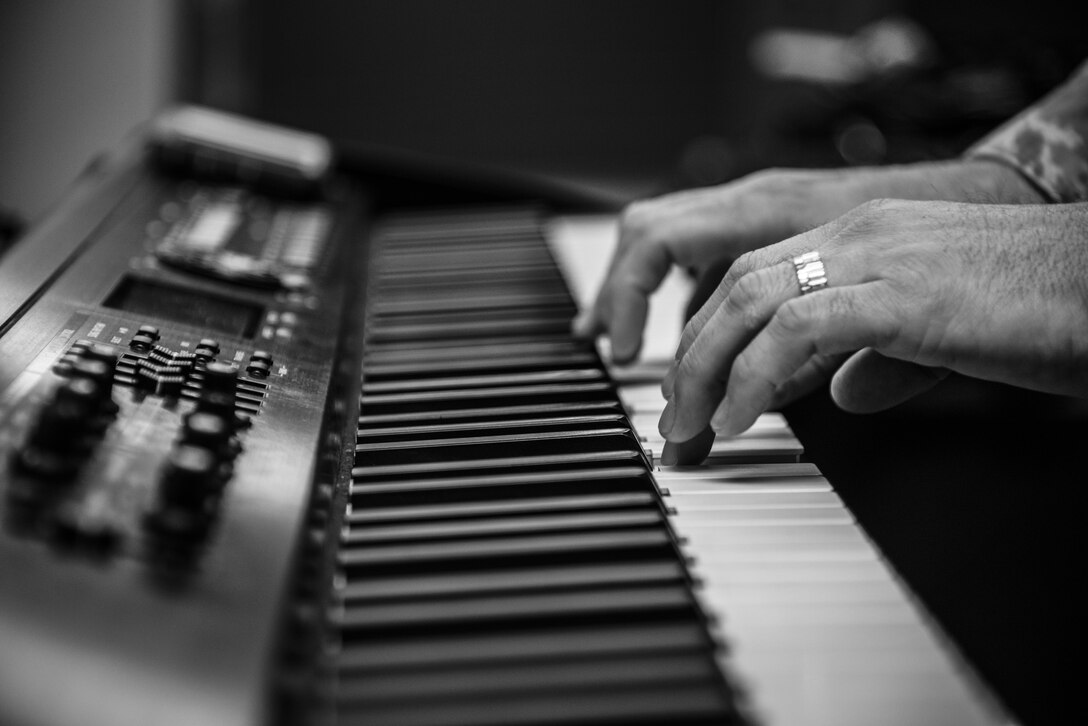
(701, 228)
(916, 289)
(744, 220)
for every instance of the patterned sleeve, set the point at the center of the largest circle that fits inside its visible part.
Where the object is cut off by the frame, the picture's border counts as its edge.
(1048, 142)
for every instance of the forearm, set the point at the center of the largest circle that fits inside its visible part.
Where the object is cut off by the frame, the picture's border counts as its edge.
(979, 181)
(1048, 143)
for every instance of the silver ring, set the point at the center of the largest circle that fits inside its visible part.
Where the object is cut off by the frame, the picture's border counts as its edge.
(810, 272)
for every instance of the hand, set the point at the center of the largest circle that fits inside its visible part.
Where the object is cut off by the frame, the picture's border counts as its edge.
(701, 229)
(915, 289)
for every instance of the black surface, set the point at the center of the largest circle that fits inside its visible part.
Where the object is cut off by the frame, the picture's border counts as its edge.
(973, 494)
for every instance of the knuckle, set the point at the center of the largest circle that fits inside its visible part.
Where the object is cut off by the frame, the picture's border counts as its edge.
(865, 213)
(795, 317)
(876, 207)
(749, 288)
(766, 179)
(744, 368)
(743, 299)
(637, 217)
(741, 266)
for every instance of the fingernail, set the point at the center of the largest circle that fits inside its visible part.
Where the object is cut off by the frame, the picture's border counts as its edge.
(668, 419)
(668, 454)
(623, 353)
(668, 384)
(720, 420)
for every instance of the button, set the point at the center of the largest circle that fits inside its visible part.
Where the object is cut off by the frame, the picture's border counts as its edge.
(207, 349)
(141, 343)
(149, 330)
(261, 356)
(258, 369)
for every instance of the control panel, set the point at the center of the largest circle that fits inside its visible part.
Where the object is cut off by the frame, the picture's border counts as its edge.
(169, 355)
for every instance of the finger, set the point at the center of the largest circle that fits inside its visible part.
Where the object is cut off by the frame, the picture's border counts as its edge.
(668, 383)
(620, 310)
(747, 263)
(827, 322)
(629, 308)
(586, 324)
(699, 383)
(688, 453)
(870, 382)
(815, 372)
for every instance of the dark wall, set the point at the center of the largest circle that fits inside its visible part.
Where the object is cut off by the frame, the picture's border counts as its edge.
(607, 89)
(606, 86)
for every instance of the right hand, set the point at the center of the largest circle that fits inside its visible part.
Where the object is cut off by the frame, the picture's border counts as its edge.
(703, 228)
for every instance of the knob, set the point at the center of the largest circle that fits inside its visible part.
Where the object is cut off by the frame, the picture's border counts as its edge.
(76, 530)
(57, 441)
(210, 431)
(98, 351)
(63, 422)
(191, 475)
(218, 391)
(101, 374)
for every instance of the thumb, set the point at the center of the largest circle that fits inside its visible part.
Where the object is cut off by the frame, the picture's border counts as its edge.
(870, 382)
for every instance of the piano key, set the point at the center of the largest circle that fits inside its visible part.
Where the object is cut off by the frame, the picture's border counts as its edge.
(490, 413)
(555, 643)
(485, 348)
(557, 323)
(514, 296)
(483, 681)
(505, 464)
(800, 598)
(463, 613)
(647, 705)
(377, 371)
(471, 261)
(434, 511)
(522, 525)
(693, 503)
(553, 548)
(767, 552)
(484, 381)
(581, 481)
(548, 578)
(469, 428)
(511, 445)
(378, 403)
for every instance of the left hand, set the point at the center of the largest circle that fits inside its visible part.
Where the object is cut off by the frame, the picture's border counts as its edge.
(915, 289)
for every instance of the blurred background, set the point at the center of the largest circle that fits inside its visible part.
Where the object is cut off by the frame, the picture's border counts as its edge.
(971, 497)
(623, 97)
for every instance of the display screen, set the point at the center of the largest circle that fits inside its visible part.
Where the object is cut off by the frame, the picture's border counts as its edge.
(187, 307)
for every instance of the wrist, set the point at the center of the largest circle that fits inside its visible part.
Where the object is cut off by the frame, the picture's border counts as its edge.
(977, 180)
